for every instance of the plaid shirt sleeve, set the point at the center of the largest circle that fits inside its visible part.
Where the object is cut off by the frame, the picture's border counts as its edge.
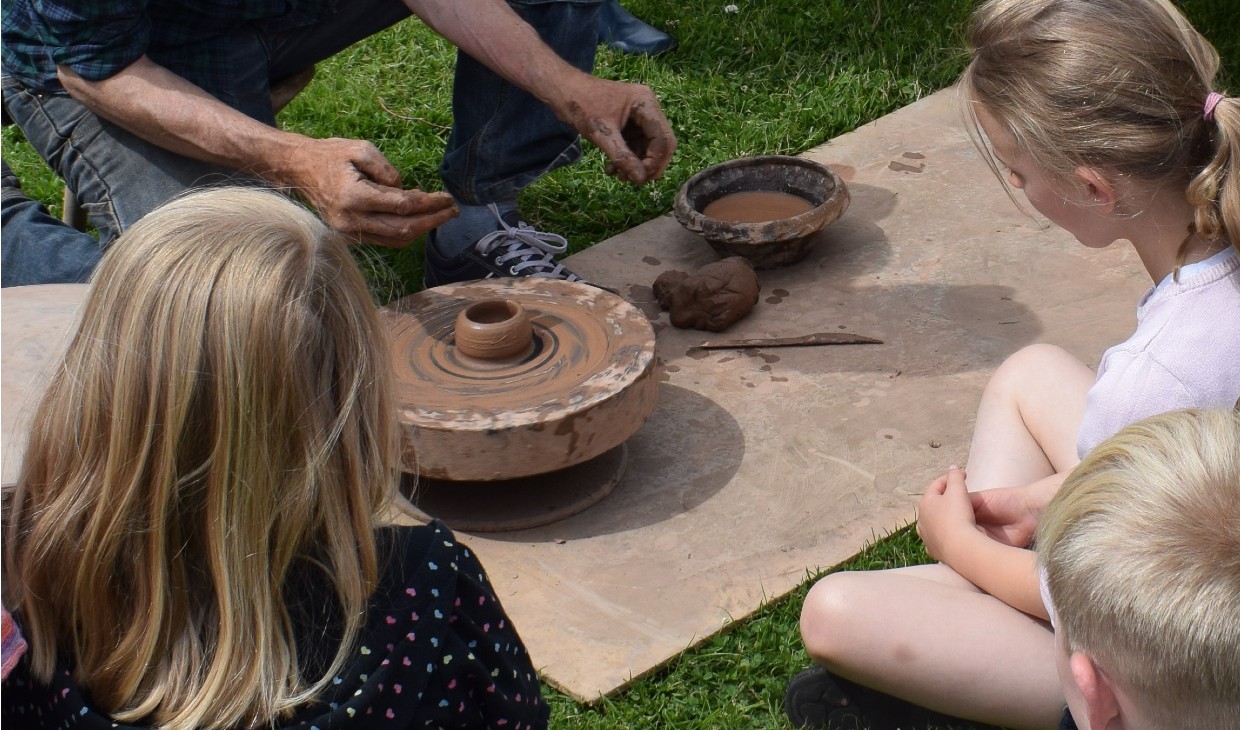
(96, 40)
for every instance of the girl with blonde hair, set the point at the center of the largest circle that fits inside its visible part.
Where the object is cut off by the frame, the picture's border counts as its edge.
(207, 532)
(1104, 113)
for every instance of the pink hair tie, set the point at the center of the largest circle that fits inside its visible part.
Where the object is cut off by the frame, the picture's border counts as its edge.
(1211, 101)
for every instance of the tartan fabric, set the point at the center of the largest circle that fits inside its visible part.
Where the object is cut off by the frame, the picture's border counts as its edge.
(192, 38)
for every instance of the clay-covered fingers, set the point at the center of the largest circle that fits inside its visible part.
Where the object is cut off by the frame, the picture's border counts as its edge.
(371, 164)
(358, 192)
(650, 136)
(393, 217)
(645, 147)
(624, 121)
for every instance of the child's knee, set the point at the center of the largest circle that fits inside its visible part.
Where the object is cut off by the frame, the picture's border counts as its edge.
(826, 614)
(1030, 362)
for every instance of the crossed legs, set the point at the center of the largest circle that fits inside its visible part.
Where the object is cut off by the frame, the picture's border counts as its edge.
(1027, 419)
(924, 633)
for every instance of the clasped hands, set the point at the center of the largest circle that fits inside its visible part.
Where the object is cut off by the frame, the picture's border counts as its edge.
(951, 519)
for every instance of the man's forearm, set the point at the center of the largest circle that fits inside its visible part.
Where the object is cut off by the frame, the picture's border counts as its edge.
(492, 32)
(164, 109)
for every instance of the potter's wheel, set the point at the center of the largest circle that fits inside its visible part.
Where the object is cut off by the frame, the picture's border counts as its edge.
(532, 434)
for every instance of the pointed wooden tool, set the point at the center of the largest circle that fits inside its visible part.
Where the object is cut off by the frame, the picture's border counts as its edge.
(818, 338)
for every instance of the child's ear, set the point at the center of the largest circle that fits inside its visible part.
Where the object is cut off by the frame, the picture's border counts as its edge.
(1098, 189)
(1101, 703)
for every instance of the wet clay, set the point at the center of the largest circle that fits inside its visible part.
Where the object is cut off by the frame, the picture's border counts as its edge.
(493, 329)
(756, 206)
(714, 297)
(582, 386)
(779, 203)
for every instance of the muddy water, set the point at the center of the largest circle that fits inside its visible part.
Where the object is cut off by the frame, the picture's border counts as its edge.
(756, 206)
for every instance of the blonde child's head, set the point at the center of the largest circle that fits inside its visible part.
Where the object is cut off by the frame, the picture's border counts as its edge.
(1141, 554)
(1117, 86)
(220, 422)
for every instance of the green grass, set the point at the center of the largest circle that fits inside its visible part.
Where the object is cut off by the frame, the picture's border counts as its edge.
(779, 76)
(736, 679)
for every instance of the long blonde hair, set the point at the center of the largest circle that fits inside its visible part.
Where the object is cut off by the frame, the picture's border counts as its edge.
(1141, 549)
(220, 422)
(1114, 85)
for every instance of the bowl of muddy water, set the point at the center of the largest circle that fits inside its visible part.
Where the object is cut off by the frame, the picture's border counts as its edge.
(767, 208)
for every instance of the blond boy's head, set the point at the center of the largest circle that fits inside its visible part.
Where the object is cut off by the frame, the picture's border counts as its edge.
(1141, 553)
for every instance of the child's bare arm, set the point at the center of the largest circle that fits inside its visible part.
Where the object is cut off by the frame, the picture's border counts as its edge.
(948, 527)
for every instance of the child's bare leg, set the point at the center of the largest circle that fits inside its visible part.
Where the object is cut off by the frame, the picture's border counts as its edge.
(1028, 418)
(927, 635)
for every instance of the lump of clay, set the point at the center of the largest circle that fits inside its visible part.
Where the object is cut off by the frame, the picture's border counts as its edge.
(714, 297)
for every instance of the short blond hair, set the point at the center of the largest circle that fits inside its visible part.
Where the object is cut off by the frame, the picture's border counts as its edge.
(1141, 551)
(220, 427)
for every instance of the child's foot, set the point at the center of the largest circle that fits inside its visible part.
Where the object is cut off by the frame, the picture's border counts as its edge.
(814, 699)
(818, 699)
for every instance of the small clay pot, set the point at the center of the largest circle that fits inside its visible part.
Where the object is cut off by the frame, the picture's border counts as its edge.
(493, 329)
(767, 244)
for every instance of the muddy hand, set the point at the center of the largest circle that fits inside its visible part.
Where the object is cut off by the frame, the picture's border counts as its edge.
(358, 192)
(624, 120)
(393, 217)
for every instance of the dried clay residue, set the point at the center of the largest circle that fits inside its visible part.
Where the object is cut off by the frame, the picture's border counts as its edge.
(643, 298)
(901, 167)
(712, 298)
(777, 296)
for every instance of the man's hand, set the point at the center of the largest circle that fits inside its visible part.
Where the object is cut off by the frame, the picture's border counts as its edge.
(945, 517)
(358, 192)
(351, 184)
(624, 120)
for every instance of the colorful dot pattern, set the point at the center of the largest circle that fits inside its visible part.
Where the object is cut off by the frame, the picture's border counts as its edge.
(438, 651)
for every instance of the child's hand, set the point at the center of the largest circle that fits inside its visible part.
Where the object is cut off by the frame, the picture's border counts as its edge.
(945, 515)
(1008, 515)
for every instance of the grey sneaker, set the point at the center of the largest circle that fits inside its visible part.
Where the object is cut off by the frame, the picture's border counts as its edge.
(514, 249)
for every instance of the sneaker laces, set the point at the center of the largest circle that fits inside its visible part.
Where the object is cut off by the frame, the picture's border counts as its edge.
(529, 250)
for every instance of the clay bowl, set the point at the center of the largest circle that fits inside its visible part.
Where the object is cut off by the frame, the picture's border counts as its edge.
(767, 244)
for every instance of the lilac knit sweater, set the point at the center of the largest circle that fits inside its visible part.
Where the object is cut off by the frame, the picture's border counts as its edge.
(1185, 353)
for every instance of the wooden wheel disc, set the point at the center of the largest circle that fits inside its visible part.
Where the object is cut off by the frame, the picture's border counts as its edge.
(520, 504)
(584, 386)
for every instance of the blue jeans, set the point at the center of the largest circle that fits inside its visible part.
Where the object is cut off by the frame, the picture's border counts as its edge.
(502, 138)
(37, 248)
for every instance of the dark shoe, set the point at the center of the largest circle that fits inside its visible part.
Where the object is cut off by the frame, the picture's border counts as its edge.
(7, 179)
(620, 30)
(818, 699)
(515, 249)
(815, 700)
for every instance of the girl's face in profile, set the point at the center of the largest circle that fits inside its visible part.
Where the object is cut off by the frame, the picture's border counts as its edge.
(1071, 210)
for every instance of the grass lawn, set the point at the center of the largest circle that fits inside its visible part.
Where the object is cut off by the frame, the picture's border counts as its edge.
(757, 77)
